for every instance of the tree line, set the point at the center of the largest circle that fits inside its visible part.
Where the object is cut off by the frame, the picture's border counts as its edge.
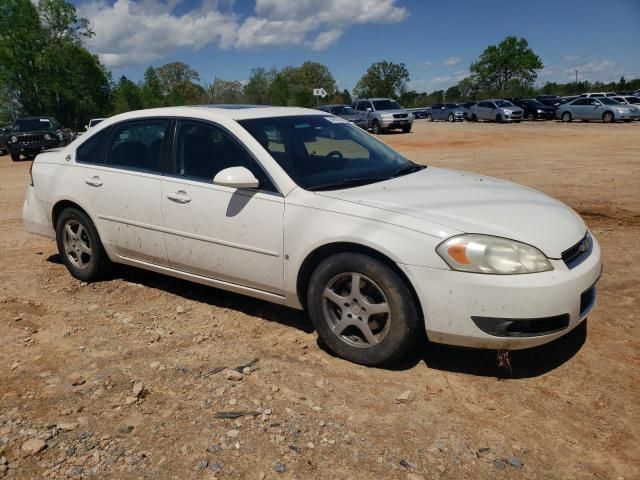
(44, 69)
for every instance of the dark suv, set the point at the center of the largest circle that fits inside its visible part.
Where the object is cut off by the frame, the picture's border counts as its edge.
(29, 136)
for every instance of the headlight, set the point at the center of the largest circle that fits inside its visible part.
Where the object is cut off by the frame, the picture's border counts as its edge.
(14, 139)
(493, 255)
(622, 110)
(386, 115)
(47, 136)
(507, 111)
(540, 111)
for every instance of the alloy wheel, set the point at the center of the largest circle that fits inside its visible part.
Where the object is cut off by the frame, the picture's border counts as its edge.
(77, 244)
(356, 309)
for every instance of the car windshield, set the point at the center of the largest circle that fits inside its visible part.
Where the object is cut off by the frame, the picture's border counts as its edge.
(386, 105)
(327, 153)
(504, 103)
(608, 101)
(634, 100)
(343, 110)
(32, 125)
(452, 105)
(535, 104)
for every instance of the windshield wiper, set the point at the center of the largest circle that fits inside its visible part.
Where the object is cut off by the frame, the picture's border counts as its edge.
(407, 169)
(347, 183)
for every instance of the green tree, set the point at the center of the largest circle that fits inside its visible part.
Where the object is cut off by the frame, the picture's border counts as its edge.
(61, 21)
(151, 89)
(127, 96)
(43, 67)
(224, 91)
(507, 66)
(383, 79)
(257, 88)
(453, 94)
(179, 83)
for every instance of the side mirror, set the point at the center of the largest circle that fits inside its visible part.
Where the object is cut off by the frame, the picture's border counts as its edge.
(441, 108)
(236, 177)
(369, 109)
(86, 127)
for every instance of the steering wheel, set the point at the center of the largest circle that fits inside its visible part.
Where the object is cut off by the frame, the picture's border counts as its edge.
(335, 153)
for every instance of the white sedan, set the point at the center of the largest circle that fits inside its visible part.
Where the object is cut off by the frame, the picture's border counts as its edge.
(299, 207)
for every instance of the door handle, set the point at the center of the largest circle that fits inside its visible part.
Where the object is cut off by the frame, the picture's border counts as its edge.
(179, 197)
(94, 181)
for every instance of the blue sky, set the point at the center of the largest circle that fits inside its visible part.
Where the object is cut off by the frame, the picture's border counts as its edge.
(437, 40)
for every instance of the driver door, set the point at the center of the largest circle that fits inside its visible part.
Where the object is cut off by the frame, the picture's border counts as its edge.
(228, 234)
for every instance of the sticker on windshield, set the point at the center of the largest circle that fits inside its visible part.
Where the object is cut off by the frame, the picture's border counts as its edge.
(336, 120)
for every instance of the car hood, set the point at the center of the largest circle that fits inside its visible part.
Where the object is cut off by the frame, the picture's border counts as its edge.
(475, 204)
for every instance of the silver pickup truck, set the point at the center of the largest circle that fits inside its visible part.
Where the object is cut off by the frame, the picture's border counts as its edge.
(383, 114)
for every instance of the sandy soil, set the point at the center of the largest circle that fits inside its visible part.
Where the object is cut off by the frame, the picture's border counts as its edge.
(72, 356)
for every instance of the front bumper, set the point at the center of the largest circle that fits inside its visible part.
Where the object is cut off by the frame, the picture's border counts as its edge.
(395, 122)
(32, 148)
(461, 308)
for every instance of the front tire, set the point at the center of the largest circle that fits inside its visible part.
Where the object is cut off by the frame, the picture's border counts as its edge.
(429, 117)
(474, 118)
(376, 128)
(362, 310)
(498, 118)
(406, 128)
(566, 117)
(15, 157)
(451, 118)
(531, 116)
(79, 245)
(607, 117)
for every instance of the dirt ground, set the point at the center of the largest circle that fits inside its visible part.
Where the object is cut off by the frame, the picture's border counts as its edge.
(119, 379)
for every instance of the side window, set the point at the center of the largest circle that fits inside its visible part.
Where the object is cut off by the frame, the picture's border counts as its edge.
(91, 151)
(436, 106)
(203, 150)
(137, 145)
(594, 102)
(361, 106)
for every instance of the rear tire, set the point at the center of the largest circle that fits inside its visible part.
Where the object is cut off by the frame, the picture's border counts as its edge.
(607, 117)
(371, 324)
(566, 117)
(429, 117)
(474, 118)
(531, 116)
(79, 245)
(15, 157)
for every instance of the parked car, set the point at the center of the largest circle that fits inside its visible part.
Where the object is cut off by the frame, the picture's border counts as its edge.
(452, 112)
(346, 112)
(466, 107)
(549, 100)
(418, 113)
(496, 110)
(534, 110)
(598, 94)
(632, 102)
(93, 122)
(594, 108)
(30, 136)
(383, 114)
(5, 132)
(327, 218)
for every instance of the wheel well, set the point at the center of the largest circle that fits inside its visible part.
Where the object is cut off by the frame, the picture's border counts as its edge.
(608, 111)
(318, 255)
(60, 206)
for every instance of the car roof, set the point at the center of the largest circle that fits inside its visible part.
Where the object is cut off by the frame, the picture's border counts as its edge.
(215, 112)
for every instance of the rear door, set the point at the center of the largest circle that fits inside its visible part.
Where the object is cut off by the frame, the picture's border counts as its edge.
(436, 111)
(123, 185)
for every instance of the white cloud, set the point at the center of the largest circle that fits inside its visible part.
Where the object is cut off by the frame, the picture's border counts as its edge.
(595, 66)
(130, 32)
(571, 58)
(452, 61)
